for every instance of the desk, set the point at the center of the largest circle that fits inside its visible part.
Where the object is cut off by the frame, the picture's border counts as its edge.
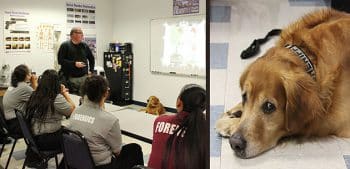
(136, 124)
(133, 123)
(108, 107)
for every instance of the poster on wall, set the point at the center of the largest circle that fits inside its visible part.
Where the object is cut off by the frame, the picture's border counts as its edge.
(81, 14)
(17, 37)
(91, 42)
(45, 37)
(181, 7)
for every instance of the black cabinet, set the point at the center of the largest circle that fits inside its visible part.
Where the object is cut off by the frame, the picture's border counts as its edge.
(118, 68)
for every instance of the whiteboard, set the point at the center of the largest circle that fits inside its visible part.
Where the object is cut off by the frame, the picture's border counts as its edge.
(178, 45)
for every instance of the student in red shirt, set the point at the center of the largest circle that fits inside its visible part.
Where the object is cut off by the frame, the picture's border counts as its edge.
(180, 141)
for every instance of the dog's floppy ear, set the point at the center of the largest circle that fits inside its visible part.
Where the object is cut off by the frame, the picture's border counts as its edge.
(303, 103)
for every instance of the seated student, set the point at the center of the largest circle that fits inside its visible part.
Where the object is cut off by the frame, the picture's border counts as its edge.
(45, 110)
(17, 95)
(180, 141)
(101, 129)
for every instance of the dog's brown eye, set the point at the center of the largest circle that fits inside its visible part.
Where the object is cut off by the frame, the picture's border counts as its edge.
(244, 98)
(238, 113)
(268, 107)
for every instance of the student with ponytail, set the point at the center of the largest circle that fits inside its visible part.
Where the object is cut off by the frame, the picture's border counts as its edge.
(180, 141)
(45, 110)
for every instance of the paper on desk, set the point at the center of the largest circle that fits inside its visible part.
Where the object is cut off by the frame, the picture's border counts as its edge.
(328, 153)
(111, 108)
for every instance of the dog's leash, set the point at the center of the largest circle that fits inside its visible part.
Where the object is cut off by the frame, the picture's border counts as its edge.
(254, 48)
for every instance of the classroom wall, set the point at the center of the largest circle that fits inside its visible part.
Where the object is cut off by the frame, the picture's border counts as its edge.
(54, 11)
(131, 20)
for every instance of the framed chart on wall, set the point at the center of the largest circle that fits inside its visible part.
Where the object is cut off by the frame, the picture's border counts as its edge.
(178, 45)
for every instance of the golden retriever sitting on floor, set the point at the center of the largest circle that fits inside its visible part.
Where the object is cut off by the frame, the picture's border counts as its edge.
(299, 87)
(154, 106)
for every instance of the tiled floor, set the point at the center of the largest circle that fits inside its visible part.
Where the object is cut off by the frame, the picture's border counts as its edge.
(19, 151)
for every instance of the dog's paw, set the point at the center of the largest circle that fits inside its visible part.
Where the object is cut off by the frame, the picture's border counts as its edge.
(235, 112)
(227, 124)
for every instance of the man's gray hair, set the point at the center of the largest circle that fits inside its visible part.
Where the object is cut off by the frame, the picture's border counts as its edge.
(74, 29)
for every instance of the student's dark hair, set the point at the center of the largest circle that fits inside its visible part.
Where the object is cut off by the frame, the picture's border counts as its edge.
(19, 74)
(44, 96)
(189, 151)
(94, 87)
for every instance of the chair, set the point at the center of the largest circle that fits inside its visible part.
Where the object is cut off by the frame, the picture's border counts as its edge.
(29, 140)
(6, 133)
(76, 151)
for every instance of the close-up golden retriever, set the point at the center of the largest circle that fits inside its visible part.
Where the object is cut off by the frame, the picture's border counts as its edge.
(300, 87)
(154, 106)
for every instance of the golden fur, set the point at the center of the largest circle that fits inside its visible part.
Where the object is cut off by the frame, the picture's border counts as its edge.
(303, 106)
(154, 106)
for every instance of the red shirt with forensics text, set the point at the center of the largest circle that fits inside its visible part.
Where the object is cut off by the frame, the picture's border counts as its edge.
(163, 127)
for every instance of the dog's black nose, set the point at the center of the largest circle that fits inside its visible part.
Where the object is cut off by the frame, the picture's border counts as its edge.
(238, 144)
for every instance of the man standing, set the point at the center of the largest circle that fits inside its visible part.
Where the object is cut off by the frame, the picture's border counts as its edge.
(74, 56)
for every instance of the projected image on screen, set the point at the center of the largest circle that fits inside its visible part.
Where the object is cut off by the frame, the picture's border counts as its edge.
(183, 45)
(178, 45)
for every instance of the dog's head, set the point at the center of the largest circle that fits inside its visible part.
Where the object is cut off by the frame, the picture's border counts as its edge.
(278, 99)
(153, 102)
